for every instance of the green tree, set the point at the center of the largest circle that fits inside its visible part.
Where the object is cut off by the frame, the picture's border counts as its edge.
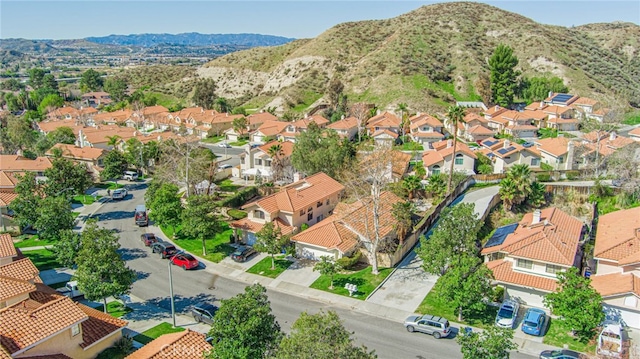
(270, 240)
(521, 176)
(483, 164)
(334, 92)
(134, 153)
(402, 107)
(54, 216)
(116, 87)
(576, 302)
(199, 220)
(508, 193)
(538, 88)
(240, 126)
(49, 81)
(166, 208)
(61, 134)
(465, 284)
(65, 174)
(91, 80)
(491, 343)
(244, 327)
(411, 184)
(483, 87)
(320, 336)
(204, 93)
(67, 247)
(403, 214)
(504, 76)
(222, 105)
(316, 151)
(277, 155)
(327, 266)
(437, 185)
(114, 165)
(455, 114)
(21, 133)
(101, 271)
(36, 78)
(537, 196)
(153, 188)
(455, 236)
(29, 199)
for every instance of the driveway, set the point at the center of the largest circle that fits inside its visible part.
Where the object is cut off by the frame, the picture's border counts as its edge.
(300, 272)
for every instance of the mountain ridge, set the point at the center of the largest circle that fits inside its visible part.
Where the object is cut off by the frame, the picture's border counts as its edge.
(192, 39)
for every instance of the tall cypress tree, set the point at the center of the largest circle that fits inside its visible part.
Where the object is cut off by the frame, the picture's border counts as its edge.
(503, 75)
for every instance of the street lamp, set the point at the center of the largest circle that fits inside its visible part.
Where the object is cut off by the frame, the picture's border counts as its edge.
(173, 308)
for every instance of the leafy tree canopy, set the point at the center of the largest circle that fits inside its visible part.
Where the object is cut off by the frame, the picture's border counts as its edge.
(114, 165)
(504, 75)
(491, 343)
(116, 87)
(538, 88)
(199, 220)
(65, 175)
(204, 93)
(91, 80)
(166, 207)
(315, 151)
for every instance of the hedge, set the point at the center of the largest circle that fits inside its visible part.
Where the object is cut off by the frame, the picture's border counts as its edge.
(239, 198)
(348, 262)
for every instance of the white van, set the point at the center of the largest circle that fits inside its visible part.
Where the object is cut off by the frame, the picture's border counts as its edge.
(130, 175)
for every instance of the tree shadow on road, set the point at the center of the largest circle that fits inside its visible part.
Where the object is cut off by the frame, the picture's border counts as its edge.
(128, 254)
(160, 307)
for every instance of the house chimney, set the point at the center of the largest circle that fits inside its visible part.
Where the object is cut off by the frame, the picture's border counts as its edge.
(80, 139)
(507, 143)
(612, 136)
(570, 154)
(449, 143)
(377, 111)
(497, 108)
(296, 177)
(342, 117)
(550, 93)
(536, 217)
(306, 115)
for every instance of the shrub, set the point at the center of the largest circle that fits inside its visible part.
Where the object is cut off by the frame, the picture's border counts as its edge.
(124, 344)
(498, 293)
(349, 262)
(236, 214)
(546, 167)
(240, 197)
(543, 177)
(303, 227)
(572, 175)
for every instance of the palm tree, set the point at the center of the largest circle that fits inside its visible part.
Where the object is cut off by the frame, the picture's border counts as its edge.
(402, 212)
(113, 140)
(455, 114)
(521, 175)
(403, 108)
(276, 153)
(508, 193)
(537, 196)
(411, 184)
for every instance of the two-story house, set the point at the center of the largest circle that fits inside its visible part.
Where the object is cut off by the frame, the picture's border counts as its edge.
(346, 127)
(526, 256)
(557, 152)
(36, 321)
(294, 129)
(122, 117)
(307, 201)
(474, 128)
(617, 272)
(560, 118)
(504, 154)
(384, 121)
(348, 227)
(268, 131)
(425, 129)
(260, 160)
(439, 159)
(91, 157)
(519, 124)
(97, 98)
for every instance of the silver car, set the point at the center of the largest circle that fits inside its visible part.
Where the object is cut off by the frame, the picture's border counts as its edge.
(507, 314)
(430, 324)
(119, 193)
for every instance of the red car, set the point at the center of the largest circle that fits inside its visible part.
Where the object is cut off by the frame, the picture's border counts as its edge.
(184, 260)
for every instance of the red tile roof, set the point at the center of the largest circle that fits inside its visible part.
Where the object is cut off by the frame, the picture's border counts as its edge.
(344, 124)
(618, 236)
(616, 284)
(19, 163)
(503, 272)
(357, 216)
(287, 147)
(185, 344)
(77, 153)
(555, 146)
(255, 227)
(21, 269)
(7, 248)
(424, 119)
(98, 325)
(11, 287)
(384, 132)
(329, 234)
(442, 151)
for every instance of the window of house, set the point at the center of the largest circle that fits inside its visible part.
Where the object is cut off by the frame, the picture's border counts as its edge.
(553, 269)
(319, 204)
(309, 216)
(302, 212)
(75, 330)
(258, 162)
(267, 163)
(328, 201)
(435, 170)
(560, 160)
(523, 263)
(459, 159)
(319, 218)
(258, 214)
(535, 162)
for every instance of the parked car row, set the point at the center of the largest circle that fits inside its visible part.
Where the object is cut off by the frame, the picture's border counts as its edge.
(167, 250)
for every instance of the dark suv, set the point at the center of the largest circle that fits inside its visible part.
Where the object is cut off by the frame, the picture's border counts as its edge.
(165, 249)
(204, 312)
(148, 239)
(242, 254)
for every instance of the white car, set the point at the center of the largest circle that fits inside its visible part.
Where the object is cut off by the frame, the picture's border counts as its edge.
(119, 193)
(225, 166)
(223, 145)
(507, 314)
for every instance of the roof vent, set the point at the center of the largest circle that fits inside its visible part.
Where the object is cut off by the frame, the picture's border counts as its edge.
(536, 217)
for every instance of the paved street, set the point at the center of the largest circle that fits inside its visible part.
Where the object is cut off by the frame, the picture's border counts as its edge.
(227, 155)
(369, 321)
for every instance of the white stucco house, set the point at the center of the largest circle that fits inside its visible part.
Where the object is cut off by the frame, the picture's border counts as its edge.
(439, 159)
(504, 154)
(525, 256)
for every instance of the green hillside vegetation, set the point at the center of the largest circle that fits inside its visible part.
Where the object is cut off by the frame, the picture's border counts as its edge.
(432, 56)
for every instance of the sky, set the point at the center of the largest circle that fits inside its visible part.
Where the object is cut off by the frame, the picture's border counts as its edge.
(33, 19)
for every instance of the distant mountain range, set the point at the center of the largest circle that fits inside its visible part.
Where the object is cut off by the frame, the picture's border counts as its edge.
(192, 39)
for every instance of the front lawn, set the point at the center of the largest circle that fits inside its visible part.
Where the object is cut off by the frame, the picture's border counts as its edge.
(264, 267)
(213, 139)
(632, 118)
(410, 146)
(152, 333)
(365, 281)
(85, 199)
(226, 185)
(217, 247)
(435, 305)
(108, 185)
(547, 133)
(32, 241)
(239, 143)
(559, 334)
(43, 259)
(236, 214)
(115, 309)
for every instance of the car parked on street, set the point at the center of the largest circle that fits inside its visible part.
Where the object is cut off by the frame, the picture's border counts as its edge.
(224, 145)
(204, 312)
(242, 253)
(148, 239)
(165, 249)
(119, 193)
(184, 260)
(507, 314)
(561, 354)
(429, 324)
(130, 176)
(534, 322)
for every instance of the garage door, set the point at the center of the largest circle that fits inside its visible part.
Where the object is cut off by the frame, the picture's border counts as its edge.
(622, 315)
(312, 253)
(528, 297)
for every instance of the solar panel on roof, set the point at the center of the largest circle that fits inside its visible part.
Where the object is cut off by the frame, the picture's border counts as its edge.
(490, 143)
(500, 234)
(502, 151)
(563, 97)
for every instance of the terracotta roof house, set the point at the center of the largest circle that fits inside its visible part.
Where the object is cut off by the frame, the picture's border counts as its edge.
(95, 99)
(439, 159)
(185, 344)
(294, 129)
(99, 136)
(17, 163)
(383, 121)
(425, 129)
(474, 128)
(258, 159)
(525, 257)
(256, 119)
(36, 321)
(504, 154)
(617, 272)
(268, 131)
(560, 99)
(346, 128)
(635, 134)
(610, 144)
(90, 156)
(122, 117)
(307, 201)
(557, 152)
(342, 232)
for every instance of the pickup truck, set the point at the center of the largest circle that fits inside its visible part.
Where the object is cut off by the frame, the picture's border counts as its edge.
(610, 341)
(70, 290)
